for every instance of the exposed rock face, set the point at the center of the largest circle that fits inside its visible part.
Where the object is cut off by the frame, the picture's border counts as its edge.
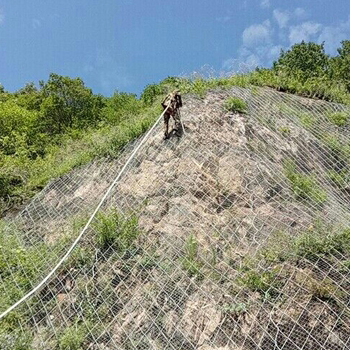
(202, 274)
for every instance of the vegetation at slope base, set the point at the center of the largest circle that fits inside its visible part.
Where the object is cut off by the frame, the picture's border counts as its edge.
(48, 130)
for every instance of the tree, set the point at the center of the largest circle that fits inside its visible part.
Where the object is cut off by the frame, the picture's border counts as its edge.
(67, 103)
(121, 105)
(150, 93)
(16, 127)
(303, 61)
(340, 65)
(29, 97)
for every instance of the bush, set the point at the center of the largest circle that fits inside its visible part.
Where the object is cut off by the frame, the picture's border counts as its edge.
(236, 105)
(73, 338)
(304, 186)
(312, 245)
(263, 282)
(114, 230)
(339, 118)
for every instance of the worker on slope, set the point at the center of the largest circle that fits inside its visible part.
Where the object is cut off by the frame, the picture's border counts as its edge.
(172, 103)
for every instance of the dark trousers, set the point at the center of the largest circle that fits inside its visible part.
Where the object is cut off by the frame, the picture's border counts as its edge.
(177, 122)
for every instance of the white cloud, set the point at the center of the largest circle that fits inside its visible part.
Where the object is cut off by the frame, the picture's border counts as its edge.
(2, 16)
(305, 31)
(333, 35)
(262, 43)
(265, 4)
(299, 13)
(282, 17)
(257, 49)
(257, 34)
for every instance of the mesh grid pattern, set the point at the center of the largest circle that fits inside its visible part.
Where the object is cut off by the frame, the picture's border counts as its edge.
(234, 236)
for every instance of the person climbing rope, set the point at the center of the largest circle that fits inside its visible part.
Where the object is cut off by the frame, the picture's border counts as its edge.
(172, 103)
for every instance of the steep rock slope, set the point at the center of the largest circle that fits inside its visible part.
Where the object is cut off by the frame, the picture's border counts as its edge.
(234, 236)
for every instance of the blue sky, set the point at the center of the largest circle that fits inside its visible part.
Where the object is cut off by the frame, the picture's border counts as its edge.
(126, 44)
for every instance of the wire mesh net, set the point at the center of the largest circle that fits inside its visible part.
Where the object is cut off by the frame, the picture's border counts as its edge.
(234, 236)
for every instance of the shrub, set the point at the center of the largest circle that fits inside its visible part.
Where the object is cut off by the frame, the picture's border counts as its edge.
(73, 338)
(236, 105)
(304, 186)
(313, 244)
(307, 120)
(113, 229)
(339, 118)
(340, 178)
(263, 282)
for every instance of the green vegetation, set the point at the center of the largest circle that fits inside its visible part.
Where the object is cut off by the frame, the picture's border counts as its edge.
(338, 118)
(48, 130)
(284, 130)
(304, 186)
(73, 337)
(312, 244)
(305, 61)
(19, 340)
(237, 309)
(191, 262)
(286, 260)
(236, 105)
(306, 120)
(113, 230)
(339, 149)
(341, 178)
(264, 282)
(19, 266)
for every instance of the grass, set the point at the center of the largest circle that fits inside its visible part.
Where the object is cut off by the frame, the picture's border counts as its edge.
(283, 253)
(337, 147)
(190, 262)
(339, 118)
(304, 186)
(312, 244)
(114, 230)
(306, 120)
(28, 176)
(18, 340)
(236, 105)
(341, 179)
(284, 130)
(265, 283)
(19, 266)
(73, 337)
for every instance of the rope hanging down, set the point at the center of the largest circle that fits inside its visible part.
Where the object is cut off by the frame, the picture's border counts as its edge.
(25, 297)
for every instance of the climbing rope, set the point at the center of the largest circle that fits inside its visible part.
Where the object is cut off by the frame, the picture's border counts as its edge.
(64, 258)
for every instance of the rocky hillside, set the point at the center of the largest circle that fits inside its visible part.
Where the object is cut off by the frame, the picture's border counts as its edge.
(234, 236)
